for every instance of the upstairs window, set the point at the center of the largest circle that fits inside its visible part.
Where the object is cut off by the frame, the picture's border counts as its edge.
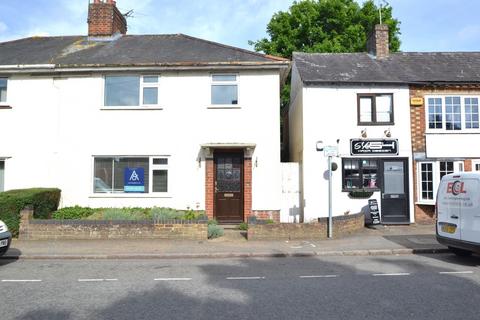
(131, 91)
(452, 113)
(375, 109)
(224, 89)
(3, 90)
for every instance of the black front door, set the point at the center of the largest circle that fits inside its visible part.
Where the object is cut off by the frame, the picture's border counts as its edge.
(228, 187)
(395, 208)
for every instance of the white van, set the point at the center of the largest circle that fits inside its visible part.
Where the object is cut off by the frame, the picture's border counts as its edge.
(458, 212)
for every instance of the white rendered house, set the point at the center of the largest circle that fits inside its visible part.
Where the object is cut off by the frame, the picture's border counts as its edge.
(130, 120)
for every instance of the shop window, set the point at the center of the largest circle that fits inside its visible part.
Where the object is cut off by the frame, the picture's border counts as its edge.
(375, 109)
(224, 89)
(128, 91)
(360, 174)
(130, 175)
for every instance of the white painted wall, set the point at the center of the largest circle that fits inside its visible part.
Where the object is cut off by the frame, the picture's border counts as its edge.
(57, 125)
(290, 211)
(330, 113)
(452, 145)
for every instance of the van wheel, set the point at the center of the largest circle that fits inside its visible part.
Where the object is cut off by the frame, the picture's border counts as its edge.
(460, 252)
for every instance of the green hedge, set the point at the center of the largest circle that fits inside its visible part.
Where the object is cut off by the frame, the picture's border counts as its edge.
(43, 200)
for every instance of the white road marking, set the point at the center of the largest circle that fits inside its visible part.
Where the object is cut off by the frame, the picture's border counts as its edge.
(320, 276)
(96, 280)
(172, 279)
(245, 278)
(296, 247)
(456, 272)
(21, 280)
(391, 274)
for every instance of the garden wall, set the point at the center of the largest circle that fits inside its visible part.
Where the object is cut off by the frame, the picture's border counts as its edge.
(36, 229)
(342, 226)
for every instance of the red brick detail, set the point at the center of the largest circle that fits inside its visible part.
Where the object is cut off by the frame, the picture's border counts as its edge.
(209, 188)
(377, 43)
(247, 188)
(104, 19)
(267, 215)
(467, 164)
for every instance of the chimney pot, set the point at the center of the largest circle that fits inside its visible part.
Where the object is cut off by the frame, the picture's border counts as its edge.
(105, 20)
(377, 43)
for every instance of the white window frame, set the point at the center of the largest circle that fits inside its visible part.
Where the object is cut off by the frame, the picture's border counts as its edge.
(463, 128)
(225, 83)
(142, 85)
(5, 103)
(151, 167)
(474, 164)
(457, 167)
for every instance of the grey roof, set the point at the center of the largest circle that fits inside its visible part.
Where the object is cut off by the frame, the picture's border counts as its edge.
(399, 68)
(128, 50)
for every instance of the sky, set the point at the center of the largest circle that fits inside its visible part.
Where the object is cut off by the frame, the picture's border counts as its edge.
(426, 25)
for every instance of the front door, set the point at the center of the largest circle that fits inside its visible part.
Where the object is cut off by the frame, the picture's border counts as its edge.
(228, 187)
(395, 208)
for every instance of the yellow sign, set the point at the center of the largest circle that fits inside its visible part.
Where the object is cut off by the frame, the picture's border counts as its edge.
(416, 101)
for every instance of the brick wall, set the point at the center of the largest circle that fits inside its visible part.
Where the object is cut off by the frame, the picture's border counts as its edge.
(209, 187)
(266, 215)
(101, 230)
(104, 19)
(426, 213)
(377, 43)
(342, 226)
(247, 188)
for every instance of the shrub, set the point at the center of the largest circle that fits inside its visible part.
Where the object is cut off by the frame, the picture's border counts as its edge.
(212, 222)
(269, 221)
(243, 226)
(214, 231)
(122, 214)
(43, 200)
(160, 213)
(76, 212)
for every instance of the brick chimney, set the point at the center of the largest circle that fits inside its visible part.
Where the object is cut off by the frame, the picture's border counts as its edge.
(377, 43)
(104, 19)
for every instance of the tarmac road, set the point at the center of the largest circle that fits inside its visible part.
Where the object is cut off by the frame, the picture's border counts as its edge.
(439, 286)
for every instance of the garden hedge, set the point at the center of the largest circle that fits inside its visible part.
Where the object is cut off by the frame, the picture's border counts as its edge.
(43, 200)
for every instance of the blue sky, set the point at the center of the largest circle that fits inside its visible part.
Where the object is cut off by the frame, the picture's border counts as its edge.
(427, 25)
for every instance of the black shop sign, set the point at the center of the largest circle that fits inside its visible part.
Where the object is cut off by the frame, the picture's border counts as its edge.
(373, 146)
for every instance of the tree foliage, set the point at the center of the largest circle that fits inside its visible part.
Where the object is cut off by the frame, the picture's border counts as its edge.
(326, 26)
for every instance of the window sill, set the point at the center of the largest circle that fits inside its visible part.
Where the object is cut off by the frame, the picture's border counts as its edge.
(224, 106)
(425, 203)
(463, 131)
(132, 108)
(378, 124)
(5, 106)
(130, 195)
(362, 190)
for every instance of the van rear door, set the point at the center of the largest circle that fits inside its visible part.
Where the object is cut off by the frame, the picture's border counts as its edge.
(448, 210)
(469, 197)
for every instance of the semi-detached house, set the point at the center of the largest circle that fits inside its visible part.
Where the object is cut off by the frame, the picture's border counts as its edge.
(142, 120)
(400, 121)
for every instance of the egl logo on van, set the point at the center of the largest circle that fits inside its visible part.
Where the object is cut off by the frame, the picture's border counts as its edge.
(456, 188)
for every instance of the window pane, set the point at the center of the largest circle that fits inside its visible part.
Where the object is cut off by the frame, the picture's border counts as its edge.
(122, 91)
(3, 89)
(224, 94)
(369, 174)
(351, 171)
(160, 161)
(218, 77)
(120, 166)
(150, 95)
(383, 105)
(102, 180)
(393, 177)
(365, 109)
(427, 181)
(150, 79)
(471, 113)
(160, 181)
(452, 113)
(2, 175)
(434, 113)
(446, 167)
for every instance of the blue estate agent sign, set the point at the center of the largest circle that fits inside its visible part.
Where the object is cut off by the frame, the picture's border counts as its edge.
(134, 180)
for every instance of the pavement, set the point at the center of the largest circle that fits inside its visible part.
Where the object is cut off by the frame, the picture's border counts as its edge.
(381, 240)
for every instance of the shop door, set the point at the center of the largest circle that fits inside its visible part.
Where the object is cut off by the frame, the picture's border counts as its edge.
(228, 187)
(395, 209)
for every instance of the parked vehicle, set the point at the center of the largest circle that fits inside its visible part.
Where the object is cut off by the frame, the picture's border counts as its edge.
(5, 238)
(458, 212)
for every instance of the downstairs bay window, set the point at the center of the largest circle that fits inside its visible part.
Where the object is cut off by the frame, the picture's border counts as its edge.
(429, 174)
(130, 175)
